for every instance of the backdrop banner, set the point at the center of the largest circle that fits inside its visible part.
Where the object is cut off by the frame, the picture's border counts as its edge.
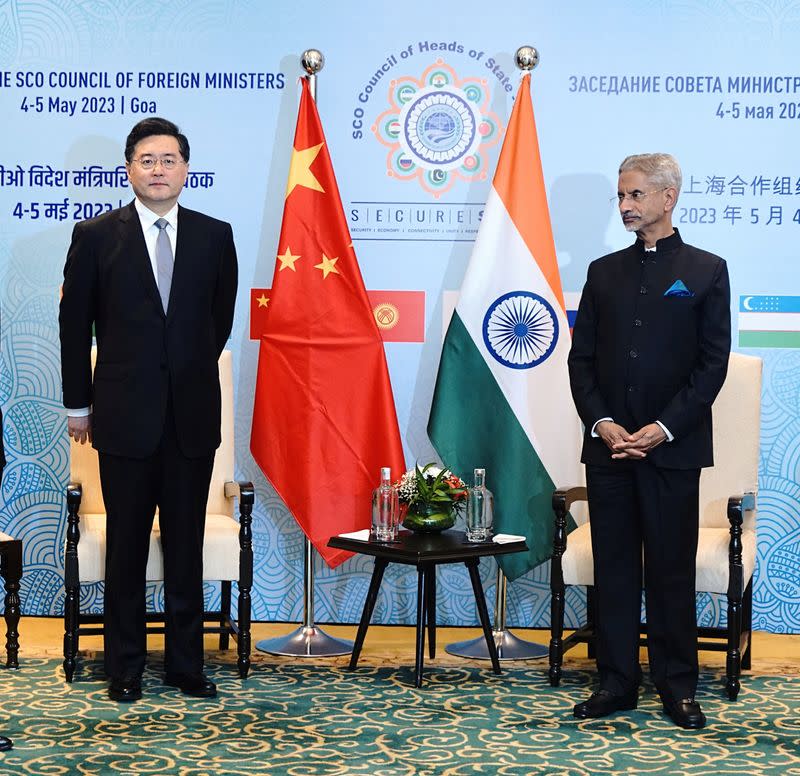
(415, 100)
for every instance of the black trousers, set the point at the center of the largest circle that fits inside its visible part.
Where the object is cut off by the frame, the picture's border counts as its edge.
(132, 489)
(635, 505)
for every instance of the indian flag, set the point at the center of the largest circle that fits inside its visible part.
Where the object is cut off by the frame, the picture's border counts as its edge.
(769, 321)
(502, 400)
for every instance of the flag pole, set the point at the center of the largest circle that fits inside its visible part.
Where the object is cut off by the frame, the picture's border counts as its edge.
(509, 646)
(308, 640)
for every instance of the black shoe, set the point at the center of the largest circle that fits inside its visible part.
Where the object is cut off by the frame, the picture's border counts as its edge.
(686, 713)
(125, 690)
(5, 744)
(196, 685)
(602, 703)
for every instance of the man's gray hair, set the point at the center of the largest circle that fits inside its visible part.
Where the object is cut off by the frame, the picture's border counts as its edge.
(662, 169)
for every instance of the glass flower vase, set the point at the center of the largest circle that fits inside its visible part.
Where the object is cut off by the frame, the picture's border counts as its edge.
(429, 518)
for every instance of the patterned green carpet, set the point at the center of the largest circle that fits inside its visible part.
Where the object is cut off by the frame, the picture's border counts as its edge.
(317, 719)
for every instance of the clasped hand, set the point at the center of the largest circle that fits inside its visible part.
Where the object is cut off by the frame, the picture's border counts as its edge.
(624, 445)
(80, 428)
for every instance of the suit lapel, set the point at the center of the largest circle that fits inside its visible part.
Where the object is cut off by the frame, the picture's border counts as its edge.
(131, 235)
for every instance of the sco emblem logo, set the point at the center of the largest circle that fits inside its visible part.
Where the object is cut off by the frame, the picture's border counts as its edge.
(439, 127)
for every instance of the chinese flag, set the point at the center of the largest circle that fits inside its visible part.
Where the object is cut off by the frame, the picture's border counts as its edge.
(324, 420)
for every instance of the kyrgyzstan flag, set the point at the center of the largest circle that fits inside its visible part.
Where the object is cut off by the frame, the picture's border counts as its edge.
(400, 315)
(324, 420)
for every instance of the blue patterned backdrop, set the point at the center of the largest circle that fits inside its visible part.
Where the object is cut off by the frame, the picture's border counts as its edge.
(741, 199)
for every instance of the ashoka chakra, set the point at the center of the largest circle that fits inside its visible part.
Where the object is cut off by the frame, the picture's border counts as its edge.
(520, 329)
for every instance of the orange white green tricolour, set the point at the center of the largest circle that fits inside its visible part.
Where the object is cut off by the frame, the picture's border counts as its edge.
(502, 399)
(523, 192)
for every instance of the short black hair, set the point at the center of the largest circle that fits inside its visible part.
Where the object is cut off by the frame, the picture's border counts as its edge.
(155, 126)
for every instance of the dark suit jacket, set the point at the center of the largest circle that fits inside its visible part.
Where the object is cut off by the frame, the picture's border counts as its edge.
(640, 355)
(141, 352)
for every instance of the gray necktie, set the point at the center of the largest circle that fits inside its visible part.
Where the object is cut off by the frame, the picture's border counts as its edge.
(164, 262)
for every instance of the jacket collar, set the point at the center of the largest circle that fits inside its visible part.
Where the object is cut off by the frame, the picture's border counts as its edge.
(664, 245)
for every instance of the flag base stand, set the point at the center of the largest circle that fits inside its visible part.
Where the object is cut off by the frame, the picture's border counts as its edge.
(306, 641)
(309, 640)
(509, 646)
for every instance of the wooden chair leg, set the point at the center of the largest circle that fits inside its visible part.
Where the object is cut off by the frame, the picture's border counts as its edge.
(557, 590)
(71, 581)
(244, 639)
(12, 573)
(747, 624)
(70, 631)
(733, 663)
(225, 614)
(246, 500)
(556, 634)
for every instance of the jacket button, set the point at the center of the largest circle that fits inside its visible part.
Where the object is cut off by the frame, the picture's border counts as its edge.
(637, 322)
(643, 290)
(633, 354)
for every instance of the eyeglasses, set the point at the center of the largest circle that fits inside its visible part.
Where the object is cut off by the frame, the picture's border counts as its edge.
(634, 196)
(150, 162)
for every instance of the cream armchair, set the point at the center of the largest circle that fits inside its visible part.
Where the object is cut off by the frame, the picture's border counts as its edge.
(726, 551)
(227, 549)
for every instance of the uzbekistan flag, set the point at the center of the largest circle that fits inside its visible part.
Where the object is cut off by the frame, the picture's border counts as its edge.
(502, 399)
(769, 321)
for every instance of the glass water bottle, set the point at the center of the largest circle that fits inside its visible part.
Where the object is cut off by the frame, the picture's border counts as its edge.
(385, 509)
(480, 509)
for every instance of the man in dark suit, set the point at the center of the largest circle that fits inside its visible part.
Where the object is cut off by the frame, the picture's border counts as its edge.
(649, 355)
(152, 407)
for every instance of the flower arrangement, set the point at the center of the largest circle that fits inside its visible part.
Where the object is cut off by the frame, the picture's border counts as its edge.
(429, 497)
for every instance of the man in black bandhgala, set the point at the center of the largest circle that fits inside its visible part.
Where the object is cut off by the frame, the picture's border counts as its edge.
(649, 355)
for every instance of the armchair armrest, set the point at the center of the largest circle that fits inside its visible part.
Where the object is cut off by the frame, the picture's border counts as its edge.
(74, 495)
(243, 490)
(739, 504)
(564, 498)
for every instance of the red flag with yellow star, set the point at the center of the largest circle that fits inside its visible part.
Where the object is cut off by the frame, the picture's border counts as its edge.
(324, 421)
